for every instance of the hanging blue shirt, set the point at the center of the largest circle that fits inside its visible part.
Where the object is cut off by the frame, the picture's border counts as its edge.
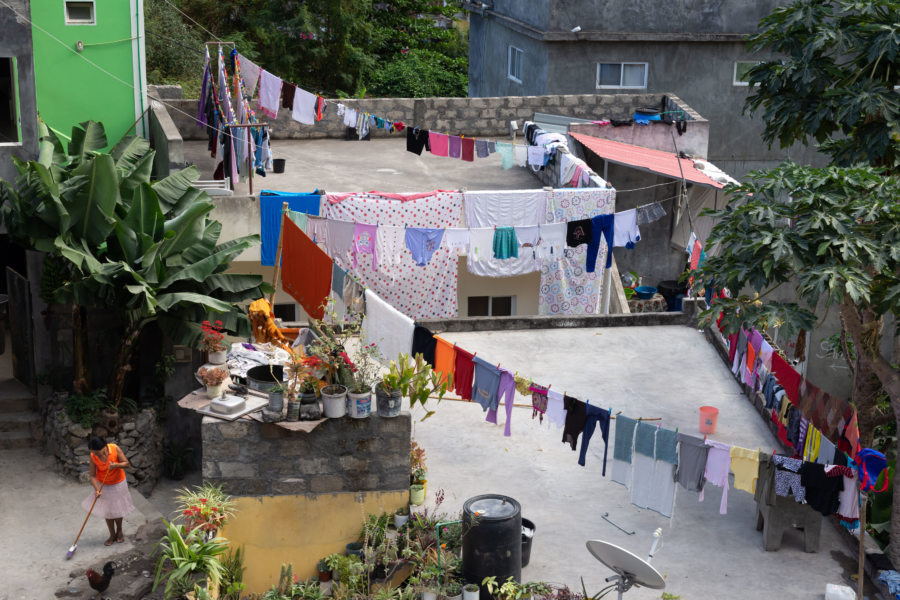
(270, 203)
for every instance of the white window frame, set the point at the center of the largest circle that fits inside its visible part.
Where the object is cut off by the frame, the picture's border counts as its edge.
(512, 304)
(93, 20)
(519, 53)
(622, 65)
(734, 76)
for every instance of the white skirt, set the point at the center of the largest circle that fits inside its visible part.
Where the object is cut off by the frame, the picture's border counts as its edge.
(114, 502)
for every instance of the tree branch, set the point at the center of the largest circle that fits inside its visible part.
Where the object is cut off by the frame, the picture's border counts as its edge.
(887, 374)
(851, 364)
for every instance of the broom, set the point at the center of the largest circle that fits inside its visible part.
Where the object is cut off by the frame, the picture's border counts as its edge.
(75, 545)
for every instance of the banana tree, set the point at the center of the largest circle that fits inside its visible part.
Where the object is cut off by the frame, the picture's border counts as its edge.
(148, 251)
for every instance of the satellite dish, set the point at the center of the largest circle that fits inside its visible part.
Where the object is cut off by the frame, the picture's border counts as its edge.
(630, 570)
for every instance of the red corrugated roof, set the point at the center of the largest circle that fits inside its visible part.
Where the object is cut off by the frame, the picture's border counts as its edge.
(656, 161)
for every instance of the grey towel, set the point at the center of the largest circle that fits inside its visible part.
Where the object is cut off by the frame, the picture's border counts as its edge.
(645, 439)
(692, 454)
(667, 446)
(624, 440)
(492, 146)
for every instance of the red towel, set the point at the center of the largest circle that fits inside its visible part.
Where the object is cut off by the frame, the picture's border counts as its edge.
(787, 377)
(464, 372)
(468, 149)
(306, 270)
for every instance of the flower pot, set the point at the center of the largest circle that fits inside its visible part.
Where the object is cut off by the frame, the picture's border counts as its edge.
(276, 401)
(308, 398)
(354, 549)
(324, 576)
(218, 357)
(429, 595)
(400, 520)
(417, 494)
(456, 597)
(470, 592)
(359, 404)
(388, 403)
(293, 411)
(214, 391)
(334, 401)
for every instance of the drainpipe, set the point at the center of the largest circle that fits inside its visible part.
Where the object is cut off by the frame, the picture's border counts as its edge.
(437, 534)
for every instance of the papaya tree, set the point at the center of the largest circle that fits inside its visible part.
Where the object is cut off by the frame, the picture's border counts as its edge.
(146, 251)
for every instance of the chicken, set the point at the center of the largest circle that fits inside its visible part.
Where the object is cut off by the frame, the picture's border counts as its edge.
(101, 582)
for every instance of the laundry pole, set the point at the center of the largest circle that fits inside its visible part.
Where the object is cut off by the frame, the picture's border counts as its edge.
(284, 209)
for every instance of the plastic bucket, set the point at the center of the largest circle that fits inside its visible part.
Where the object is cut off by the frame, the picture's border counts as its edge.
(709, 415)
(528, 530)
(278, 165)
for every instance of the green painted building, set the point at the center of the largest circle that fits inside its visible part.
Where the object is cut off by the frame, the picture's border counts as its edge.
(89, 64)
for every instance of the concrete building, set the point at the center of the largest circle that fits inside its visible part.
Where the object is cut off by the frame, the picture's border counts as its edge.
(695, 49)
(18, 126)
(89, 56)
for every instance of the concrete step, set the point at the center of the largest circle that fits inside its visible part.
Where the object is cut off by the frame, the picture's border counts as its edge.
(19, 421)
(16, 439)
(10, 405)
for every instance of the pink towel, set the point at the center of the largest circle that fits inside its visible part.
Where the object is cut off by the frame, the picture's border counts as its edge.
(439, 143)
(718, 464)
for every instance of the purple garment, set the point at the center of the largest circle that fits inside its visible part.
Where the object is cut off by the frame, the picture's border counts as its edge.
(718, 464)
(756, 339)
(506, 392)
(455, 146)
(364, 237)
(204, 90)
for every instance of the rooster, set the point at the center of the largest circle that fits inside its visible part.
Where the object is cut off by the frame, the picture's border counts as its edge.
(101, 582)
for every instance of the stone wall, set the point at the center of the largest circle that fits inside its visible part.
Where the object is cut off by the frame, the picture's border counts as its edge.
(140, 439)
(340, 455)
(466, 116)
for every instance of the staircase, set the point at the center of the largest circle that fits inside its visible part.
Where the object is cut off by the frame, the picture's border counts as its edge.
(20, 424)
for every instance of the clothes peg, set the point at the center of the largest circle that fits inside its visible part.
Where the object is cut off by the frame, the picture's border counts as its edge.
(704, 437)
(498, 366)
(676, 430)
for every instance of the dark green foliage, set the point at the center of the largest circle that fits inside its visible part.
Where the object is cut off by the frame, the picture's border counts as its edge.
(834, 84)
(85, 410)
(421, 73)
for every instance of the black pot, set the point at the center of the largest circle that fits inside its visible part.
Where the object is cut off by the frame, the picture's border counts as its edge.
(278, 165)
(388, 403)
(355, 549)
(308, 398)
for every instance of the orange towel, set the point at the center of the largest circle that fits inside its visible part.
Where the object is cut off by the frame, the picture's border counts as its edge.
(444, 358)
(751, 358)
(306, 270)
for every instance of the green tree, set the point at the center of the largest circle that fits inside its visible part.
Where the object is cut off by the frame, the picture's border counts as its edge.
(832, 234)
(834, 81)
(146, 252)
(421, 73)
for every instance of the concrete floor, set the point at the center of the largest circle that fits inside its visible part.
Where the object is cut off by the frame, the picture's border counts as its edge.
(645, 372)
(382, 164)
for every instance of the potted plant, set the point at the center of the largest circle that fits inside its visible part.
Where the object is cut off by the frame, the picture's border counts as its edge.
(470, 591)
(401, 516)
(276, 397)
(364, 370)
(417, 494)
(329, 358)
(214, 379)
(389, 392)
(309, 388)
(334, 563)
(452, 590)
(323, 570)
(213, 342)
(417, 473)
(415, 379)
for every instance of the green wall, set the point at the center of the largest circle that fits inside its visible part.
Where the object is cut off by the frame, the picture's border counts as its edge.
(69, 89)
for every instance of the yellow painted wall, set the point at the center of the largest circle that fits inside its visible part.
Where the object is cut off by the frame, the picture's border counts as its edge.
(300, 530)
(526, 289)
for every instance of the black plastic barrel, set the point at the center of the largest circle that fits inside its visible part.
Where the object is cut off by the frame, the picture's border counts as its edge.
(492, 540)
(527, 538)
(278, 165)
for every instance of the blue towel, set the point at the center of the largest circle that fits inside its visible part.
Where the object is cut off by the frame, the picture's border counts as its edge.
(645, 439)
(667, 446)
(337, 280)
(624, 438)
(270, 203)
(486, 383)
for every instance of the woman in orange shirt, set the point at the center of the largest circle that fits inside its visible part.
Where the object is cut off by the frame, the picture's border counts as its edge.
(114, 499)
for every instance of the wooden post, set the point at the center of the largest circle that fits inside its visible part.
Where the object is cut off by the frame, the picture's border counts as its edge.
(860, 574)
(284, 209)
(249, 158)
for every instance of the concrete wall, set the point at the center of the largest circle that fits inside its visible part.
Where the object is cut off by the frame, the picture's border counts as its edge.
(524, 287)
(166, 140)
(300, 529)
(488, 61)
(488, 117)
(683, 16)
(16, 42)
(340, 455)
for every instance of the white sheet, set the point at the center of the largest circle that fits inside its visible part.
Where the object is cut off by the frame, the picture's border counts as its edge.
(387, 327)
(502, 209)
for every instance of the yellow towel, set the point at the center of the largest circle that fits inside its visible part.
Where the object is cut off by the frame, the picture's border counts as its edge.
(811, 447)
(745, 466)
